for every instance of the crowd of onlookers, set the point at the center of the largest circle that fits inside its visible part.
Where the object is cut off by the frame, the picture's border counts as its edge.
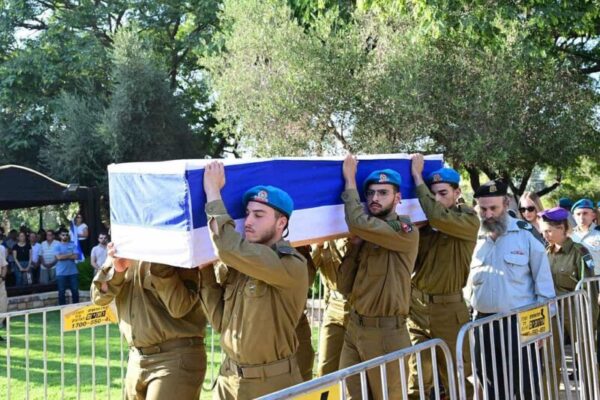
(32, 256)
(49, 256)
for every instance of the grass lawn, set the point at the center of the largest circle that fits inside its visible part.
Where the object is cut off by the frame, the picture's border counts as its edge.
(90, 340)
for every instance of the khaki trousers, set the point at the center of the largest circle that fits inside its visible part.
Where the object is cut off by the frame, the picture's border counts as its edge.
(429, 321)
(333, 330)
(362, 343)
(232, 386)
(176, 374)
(305, 353)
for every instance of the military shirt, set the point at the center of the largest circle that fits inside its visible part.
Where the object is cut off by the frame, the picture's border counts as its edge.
(385, 260)
(445, 245)
(512, 271)
(155, 303)
(263, 296)
(569, 264)
(327, 260)
(591, 240)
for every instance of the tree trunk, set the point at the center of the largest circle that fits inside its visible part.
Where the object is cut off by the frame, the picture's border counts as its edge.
(473, 176)
(552, 187)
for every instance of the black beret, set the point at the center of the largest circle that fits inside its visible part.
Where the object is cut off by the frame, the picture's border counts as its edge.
(492, 189)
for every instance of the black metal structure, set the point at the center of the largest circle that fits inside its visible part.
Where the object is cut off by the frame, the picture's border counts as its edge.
(22, 187)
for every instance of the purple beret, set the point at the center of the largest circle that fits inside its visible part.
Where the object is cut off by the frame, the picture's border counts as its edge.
(554, 214)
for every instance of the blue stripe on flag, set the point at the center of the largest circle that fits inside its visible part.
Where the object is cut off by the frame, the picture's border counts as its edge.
(161, 200)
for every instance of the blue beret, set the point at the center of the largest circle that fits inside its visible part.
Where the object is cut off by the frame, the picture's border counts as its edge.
(582, 203)
(565, 202)
(444, 175)
(554, 214)
(383, 176)
(271, 196)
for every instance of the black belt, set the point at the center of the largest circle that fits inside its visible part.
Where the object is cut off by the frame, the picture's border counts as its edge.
(437, 298)
(169, 345)
(395, 321)
(269, 370)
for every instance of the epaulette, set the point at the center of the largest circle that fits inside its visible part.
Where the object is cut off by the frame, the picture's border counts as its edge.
(466, 209)
(401, 224)
(395, 224)
(586, 256)
(529, 228)
(525, 225)
(286, 250)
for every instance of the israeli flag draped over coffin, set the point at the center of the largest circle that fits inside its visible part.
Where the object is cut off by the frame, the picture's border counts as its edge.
(157, 208)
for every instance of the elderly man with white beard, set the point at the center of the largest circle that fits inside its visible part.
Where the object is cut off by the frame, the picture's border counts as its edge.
(509, 269)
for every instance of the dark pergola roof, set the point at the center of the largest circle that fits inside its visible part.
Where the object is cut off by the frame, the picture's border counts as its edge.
(22, 187)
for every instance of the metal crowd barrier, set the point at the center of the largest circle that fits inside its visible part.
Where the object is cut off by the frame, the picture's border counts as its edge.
(526, 352)
(590, 285)
(29, 369)
(33, 369)
(335, 385)
(519, 353)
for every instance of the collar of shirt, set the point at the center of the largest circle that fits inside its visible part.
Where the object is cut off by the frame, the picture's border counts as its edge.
(591, 228)
(391, 216)
(565, 248)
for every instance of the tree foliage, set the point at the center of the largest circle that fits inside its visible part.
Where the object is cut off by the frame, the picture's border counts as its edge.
(501, 88)
(378, 84)
(504, 114)
(563, 30)
(75, 151)
(56, 50)
(143, 120)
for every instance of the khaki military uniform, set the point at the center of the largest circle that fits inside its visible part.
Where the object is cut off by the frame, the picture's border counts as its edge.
(380, 293)
(162, 321)
(327, 259)
(256, 311)
(438, 309)
(306, 354)
(569, 264)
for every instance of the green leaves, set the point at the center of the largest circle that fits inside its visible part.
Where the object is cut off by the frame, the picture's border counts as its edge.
(54, 55)
(375, 84)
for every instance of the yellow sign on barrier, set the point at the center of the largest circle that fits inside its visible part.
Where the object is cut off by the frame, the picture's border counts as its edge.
(329, 393)
(534, 324)
(75, 317)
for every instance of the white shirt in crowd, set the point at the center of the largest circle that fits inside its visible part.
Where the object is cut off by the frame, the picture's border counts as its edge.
(99, 254)
(80, 230)
(48, 251)
(3, 262)
(35, 252)
(591, 241)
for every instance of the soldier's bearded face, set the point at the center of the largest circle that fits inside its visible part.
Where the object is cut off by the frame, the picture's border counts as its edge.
(382, 199)
(493, 214)
(445, 194)
(261, 224)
